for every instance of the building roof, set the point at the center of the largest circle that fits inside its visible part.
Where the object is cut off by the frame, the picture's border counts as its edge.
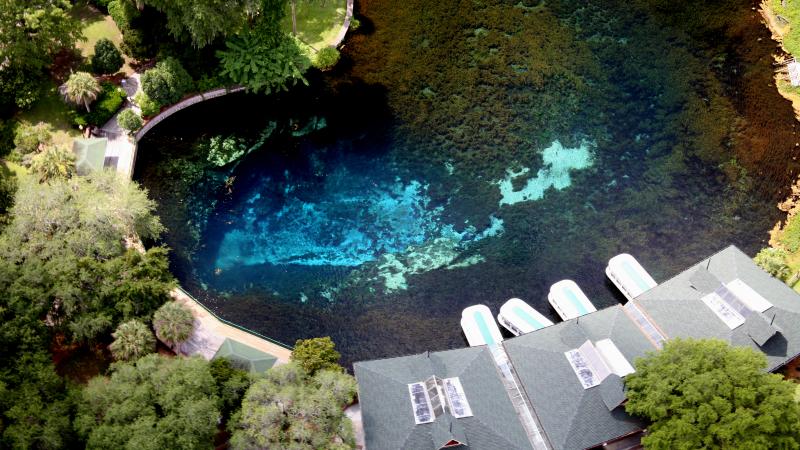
(676, 306)
(389, 419)
(89, 154)
(246, 357)
(574, 417)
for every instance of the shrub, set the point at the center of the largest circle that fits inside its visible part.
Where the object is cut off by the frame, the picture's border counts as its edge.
(773, 260)
(149, 107)
(316, 354)
(106, 58)
(355, 24)
(109, 101)
(53, 163)
(166, 83)
(29, 138)
(129, 120)
(132, 340)
(326, 58)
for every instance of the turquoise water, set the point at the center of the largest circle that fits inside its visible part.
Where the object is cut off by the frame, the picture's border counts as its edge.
(527, 318)
(457, 158)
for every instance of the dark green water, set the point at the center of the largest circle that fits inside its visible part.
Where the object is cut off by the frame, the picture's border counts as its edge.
(469, 152)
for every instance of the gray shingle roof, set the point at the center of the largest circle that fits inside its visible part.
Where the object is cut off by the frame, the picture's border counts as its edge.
(389, 419)
(573, 417)
(675, 305)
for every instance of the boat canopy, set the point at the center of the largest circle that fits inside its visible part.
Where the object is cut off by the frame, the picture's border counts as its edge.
(519, 318)
(629, 276)
(568, 300)
(479, 326)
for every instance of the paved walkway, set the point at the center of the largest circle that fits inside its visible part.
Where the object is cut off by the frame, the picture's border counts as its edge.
(210, 332)
(120, 145)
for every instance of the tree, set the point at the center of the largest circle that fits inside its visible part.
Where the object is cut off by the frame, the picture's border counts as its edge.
(153, 403)
(287, 409)
(29, 138)
(107, 58)
(55, 162)
(232, 384)
(129, 120)
(316, 354)
(80, 89)
(132, 340)
(707, 394)
(203, 21)
(174, 323)
(773, 261)
(33, 32)
(166, 82)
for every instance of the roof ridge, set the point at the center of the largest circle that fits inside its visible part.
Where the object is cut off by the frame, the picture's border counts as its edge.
(491, 430)
(474, 358)
(381, 374)
(574, 415)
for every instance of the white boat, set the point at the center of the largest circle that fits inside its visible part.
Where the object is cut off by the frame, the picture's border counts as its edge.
(519, 318)
(479, 326)
(568, 300)
(629, 276)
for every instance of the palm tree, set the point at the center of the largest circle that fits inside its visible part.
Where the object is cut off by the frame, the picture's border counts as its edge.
(81, 89)
(132, 340)
(174, 323)
(52, 163)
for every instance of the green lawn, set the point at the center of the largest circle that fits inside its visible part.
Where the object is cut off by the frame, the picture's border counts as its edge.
(318, 23)
(52, 109)
(96, 26)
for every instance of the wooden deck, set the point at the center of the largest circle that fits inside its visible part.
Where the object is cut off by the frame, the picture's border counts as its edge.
(210, 332)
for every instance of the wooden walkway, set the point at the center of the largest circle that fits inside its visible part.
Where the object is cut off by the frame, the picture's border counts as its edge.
(210, 332)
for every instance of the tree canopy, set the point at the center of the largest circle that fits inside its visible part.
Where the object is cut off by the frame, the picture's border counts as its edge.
(132, 340)
(107, 58)
(287, 409)
(316, 354)
(202, 21)
(174, 323)
(705, 394)
(154, 403)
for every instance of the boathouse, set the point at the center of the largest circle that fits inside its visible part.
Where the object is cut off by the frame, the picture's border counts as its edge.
(571, 374)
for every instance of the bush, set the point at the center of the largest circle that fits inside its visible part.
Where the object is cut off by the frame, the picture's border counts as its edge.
(326, 58)
(129, 120)
(355, 24)
(773, 261)
(107, 104)
(166, 83)
(106, 58)
(316, 354)
(31, 138)
(149, 107)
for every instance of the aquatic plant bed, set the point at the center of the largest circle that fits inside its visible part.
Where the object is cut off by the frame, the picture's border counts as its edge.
(463, 158)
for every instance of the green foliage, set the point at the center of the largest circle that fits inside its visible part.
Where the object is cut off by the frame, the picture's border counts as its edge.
(154, 403)
(107, 58)
(232, 383)
(263, 59)
(790, 235)
(63, 253)
(288, 409)
(203, 21)
(34, 31)
(81, 89)
(8, 186)
(132, 340)
(707, 394)
(102, 5)
(173, 323)
(316, 354)
(130, 121)
(326, 58)
(53, 163)
(789, 10)
(29, 138)
(109, 101)
(355, 24)
(149, 107)
(166, 83)
(223, 151)
(773, 261)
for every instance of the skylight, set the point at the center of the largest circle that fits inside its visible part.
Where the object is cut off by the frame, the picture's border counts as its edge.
(435, 396)
(648, 328)
(726, 313)
(593, 364)
(748, 296)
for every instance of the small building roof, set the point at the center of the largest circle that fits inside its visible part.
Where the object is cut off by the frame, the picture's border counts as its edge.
(244, 356)
(677, 307)
(387, 411)
(89, 154)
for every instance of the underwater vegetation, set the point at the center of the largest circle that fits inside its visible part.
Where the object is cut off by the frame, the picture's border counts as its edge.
(471, 152)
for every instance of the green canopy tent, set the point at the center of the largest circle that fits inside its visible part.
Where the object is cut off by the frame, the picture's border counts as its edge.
(90, 154)
(245, 357)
